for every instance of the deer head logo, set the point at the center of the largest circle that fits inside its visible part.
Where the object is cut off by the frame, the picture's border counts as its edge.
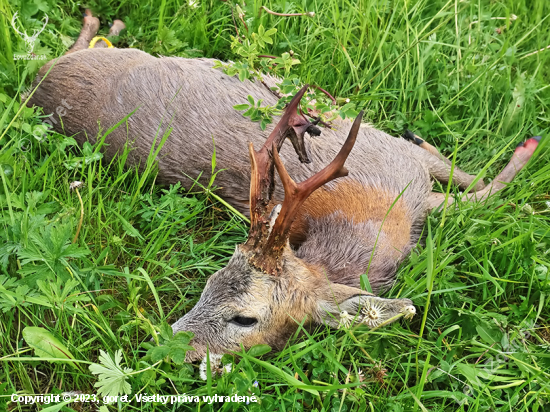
(29, 40)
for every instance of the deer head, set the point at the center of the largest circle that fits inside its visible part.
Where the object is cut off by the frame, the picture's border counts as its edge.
(265, 291)
(29, 40)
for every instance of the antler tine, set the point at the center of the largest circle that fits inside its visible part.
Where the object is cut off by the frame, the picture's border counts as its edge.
(291, 120)
(261, 188)
(36, 32)
(14, 18)
(262, 168)
(295, 196)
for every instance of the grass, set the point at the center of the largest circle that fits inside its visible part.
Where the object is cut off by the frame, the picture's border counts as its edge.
(480, 280)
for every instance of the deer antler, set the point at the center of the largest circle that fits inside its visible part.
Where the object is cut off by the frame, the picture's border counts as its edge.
(269, 248)
(36, 32)
(13, 19)
(293, 126)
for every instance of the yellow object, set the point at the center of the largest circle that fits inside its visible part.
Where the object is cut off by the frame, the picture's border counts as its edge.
(97, 38)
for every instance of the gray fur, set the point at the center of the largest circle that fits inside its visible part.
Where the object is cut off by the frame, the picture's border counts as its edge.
(102, 86)
(278, 303)
(351, 248)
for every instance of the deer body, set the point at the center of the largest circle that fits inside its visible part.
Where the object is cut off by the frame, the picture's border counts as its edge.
(197, 102)
(365, 221)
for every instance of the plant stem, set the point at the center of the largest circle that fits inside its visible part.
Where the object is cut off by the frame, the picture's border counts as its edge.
(308, 14)
(81, 215)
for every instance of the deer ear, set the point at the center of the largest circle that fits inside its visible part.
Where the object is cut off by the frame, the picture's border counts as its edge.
(342, 305)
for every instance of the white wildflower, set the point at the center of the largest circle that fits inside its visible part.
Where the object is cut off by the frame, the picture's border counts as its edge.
(528, 209)
(216, 367)
(372, 314)
(310, 14)
(345, 320)
(409, 311)
(76, 184)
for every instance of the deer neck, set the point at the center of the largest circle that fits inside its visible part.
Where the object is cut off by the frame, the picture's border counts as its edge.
(344, 250)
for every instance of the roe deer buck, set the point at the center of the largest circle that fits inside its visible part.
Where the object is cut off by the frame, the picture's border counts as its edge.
(366, 221)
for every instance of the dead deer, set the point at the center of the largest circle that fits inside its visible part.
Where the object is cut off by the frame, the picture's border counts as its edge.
(302, 260)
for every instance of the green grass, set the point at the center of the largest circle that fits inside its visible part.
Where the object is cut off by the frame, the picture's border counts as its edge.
(480, 280)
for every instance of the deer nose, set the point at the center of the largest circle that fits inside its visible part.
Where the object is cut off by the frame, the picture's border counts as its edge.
(184, 324)
(198, 323)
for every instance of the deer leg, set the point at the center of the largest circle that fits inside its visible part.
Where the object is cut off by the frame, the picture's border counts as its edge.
(90, 26)
(521, 156)
(411, 137)
(115, 30)
(439, 166)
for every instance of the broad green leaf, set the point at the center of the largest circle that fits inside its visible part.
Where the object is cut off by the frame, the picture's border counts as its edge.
(158, 353)
(177, 355)
(240, 107)
(243, 75)
(259, 350)
(112, 377)
(183, 337)
(46, 345)
(166, 331)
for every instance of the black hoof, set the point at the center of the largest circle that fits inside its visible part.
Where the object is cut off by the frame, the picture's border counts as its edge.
(313, 131)
(536, 138)
(410, 136)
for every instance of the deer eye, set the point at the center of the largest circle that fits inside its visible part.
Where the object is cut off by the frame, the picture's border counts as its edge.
(244, 321)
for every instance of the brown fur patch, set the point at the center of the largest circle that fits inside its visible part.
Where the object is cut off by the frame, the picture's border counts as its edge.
(356, 203)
